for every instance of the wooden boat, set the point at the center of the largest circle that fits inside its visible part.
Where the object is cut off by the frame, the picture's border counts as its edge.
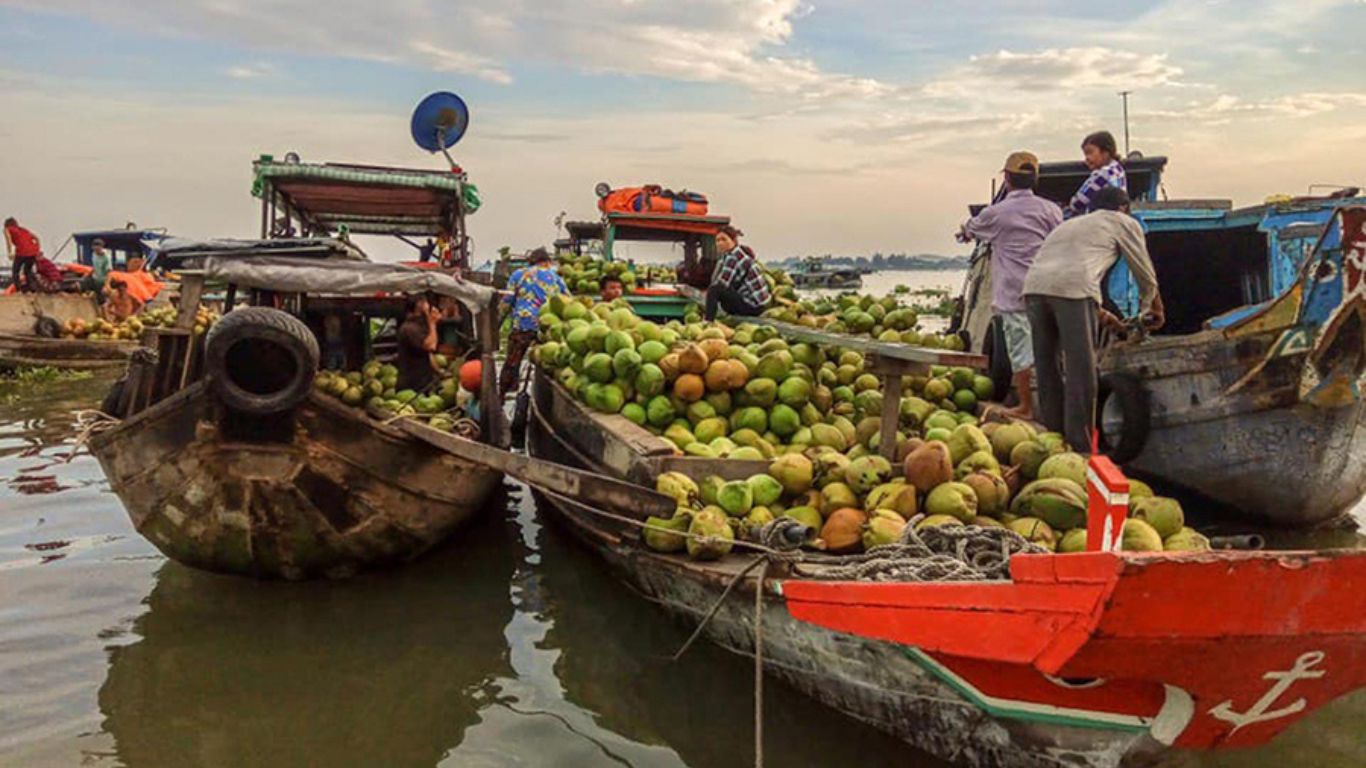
(22, 346)
(1250, 395)
(228, 460)
(813, 274)
(1098, 659)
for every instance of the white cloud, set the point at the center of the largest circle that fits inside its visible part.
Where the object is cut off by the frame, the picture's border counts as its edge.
(740, 42)
(1056, 69)
(250, 71)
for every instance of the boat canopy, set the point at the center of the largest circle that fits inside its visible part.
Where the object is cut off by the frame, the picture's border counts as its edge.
(340, 277)
(365, 199)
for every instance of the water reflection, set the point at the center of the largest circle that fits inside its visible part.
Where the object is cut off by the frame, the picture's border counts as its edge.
(387, 670)
(613, 662)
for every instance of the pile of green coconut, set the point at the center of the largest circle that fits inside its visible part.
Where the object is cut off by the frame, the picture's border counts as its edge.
(997, 475)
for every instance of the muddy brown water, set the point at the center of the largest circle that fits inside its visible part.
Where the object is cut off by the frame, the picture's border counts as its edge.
(509, 647)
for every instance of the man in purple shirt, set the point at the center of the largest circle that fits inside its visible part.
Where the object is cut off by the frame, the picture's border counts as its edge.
(1015, 227)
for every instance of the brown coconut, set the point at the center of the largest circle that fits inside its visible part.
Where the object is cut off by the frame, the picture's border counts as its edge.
(715, 349)
(843, 530)
(691, 359)
(929, 466)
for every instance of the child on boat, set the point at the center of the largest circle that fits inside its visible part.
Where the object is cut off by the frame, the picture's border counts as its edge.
(120, 304)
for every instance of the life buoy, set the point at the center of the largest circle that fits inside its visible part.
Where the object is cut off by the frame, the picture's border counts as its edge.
(1123, 395)
(260, 360)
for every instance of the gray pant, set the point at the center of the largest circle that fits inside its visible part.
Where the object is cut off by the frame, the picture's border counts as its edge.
(1064, 333)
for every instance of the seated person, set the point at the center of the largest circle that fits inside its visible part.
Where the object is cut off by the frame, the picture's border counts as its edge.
(119, 304)
(737, 286)
(611, 288)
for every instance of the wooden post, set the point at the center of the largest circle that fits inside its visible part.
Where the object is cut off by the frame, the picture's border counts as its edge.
(490, 400)
(191, 290)
(265, 210)
(891, 415)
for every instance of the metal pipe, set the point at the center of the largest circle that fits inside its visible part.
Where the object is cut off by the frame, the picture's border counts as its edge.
(1250, 541)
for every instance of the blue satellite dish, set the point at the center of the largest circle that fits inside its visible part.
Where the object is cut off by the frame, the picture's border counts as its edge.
(439, 121)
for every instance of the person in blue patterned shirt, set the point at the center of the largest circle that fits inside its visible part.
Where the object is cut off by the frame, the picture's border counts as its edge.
(1102, 157)
(737, 285)
(528, 289)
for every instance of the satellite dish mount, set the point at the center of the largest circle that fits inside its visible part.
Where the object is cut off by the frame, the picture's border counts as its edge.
(440, 121)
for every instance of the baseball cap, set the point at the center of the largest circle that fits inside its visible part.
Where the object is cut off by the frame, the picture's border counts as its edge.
(1021, 162)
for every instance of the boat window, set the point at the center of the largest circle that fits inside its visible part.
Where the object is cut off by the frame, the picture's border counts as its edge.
(1202, 274)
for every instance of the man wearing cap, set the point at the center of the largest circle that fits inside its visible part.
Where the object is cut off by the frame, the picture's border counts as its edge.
(1015, 227)
(1063, 300)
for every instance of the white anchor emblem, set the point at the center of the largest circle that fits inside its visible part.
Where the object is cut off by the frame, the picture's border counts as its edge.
(1260, 711)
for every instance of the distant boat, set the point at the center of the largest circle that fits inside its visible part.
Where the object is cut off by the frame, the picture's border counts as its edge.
(813, 274)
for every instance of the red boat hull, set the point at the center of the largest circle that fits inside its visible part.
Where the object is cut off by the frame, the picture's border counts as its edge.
(1205, 650)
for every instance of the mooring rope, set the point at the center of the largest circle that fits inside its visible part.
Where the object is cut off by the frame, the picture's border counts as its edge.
(91, 422)
(935, 553)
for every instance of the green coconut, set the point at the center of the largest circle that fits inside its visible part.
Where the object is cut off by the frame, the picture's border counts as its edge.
(678, 486)
(1034, 530)
(663, 535)
(1005, 437)
(1073, 541)
(884, 527)
(1071, 466)
(981, 461)
(807, 516)
(1186, 540)
(955, 499)
(1139, 536)
(736, 498)
(938, 521)
(765, 489)
(716, 535)
(993, 495)
(966, 440)
(1029, 456)
(866, 473)
(794, 472)
(837, 496)
(709, 487)
(1163, 514)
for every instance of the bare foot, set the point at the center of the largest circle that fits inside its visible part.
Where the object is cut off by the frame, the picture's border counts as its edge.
(1024, 414)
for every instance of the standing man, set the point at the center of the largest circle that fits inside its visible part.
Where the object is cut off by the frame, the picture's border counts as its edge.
(1063, 301)
(530, 287)
(416, 343)
(24, 249)
(737, 286)
(101, 262)
(1015, 228)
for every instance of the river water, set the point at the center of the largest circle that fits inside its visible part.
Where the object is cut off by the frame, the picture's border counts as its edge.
(509, 647)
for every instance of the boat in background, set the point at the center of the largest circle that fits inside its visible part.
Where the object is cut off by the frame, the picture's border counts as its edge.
(813, 274)
(1250, 395)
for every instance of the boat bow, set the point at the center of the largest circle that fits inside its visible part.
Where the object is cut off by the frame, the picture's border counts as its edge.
(1206, 650)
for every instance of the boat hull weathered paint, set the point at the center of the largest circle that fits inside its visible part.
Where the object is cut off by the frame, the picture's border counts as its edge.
(1262, 452)
(883, 684)
(345, 493)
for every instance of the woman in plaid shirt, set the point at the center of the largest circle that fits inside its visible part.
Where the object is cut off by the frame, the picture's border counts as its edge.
(737, 285)
(1102, 157)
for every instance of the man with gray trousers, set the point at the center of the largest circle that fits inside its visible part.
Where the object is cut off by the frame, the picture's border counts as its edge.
(1063, 302)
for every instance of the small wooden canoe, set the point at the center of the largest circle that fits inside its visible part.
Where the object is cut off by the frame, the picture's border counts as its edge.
(30, 351)
(346, 492)
(1097, 659)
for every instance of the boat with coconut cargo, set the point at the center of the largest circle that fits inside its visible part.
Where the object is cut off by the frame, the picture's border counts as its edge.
(1249, 396)
(54, 329)
(928, 599)
(813, 274)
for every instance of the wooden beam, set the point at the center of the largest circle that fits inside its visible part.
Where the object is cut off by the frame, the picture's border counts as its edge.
(587, 487)
(490, 400)
(891, 415)
(883, 349)
(191, 290)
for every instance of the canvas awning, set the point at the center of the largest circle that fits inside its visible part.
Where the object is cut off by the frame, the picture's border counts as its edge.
(341, 277)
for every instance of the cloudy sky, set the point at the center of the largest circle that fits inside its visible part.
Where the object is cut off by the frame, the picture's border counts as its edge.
(842, 126)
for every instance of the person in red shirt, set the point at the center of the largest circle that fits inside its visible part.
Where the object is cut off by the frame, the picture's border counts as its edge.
(24, 249)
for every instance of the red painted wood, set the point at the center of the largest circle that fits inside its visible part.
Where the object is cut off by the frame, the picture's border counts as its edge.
(1224, 627)
(1138, 698)
(1107, 504)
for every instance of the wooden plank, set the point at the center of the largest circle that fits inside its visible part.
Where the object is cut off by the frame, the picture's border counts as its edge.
(883, 349)
(886, 366)
(492, 423)
(891, 415)
(587, 487)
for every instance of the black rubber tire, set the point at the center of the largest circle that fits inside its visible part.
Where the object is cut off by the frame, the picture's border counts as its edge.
(110, 403)
(260, 360)
(47, 327)
(998, 358)
(1135, 410)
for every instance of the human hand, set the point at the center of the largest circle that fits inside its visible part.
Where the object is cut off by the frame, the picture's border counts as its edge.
(1110, 321)
(1155, 319)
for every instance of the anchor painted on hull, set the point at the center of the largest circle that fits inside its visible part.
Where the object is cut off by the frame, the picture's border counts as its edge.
(1261, 711)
